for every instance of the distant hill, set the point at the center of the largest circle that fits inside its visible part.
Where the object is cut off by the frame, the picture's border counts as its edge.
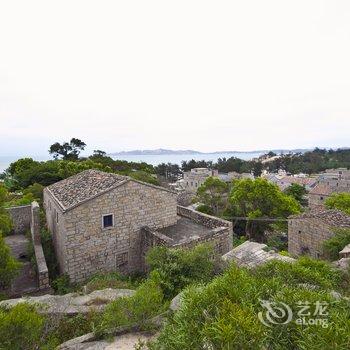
(154, 152)
(162, 151)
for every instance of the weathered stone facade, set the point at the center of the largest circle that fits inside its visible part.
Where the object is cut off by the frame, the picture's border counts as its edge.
(308, 231)
(21, 217)
(196, 177)
(84, 247)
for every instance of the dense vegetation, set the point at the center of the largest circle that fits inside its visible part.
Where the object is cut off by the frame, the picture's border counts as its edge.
(333, 245)
(224, 313)
(309, 162)
(340, 201)
(170, 272)
(251, 199)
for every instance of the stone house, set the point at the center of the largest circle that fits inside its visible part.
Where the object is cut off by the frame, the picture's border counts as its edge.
(196, 177)
(329, 182)
(308, 231)
(318, 195)
(104, 222)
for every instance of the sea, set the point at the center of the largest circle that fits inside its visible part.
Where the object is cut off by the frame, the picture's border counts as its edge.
(5, 161)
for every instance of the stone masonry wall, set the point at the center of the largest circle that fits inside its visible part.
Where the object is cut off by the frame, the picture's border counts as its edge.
(86, 248)
(306, 236)
(42, 270)
(203, 219)
(21, 217)
(220, 237)
(27, 218)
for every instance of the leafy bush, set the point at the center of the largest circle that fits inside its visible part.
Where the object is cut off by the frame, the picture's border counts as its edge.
(203, 208)
(62, 285)
(340, 201)
(9, 266)
(224, 313)
(112, 280)
(138, 309)
(305, 270)
(179, 268)
(333, 245)
(20, 328)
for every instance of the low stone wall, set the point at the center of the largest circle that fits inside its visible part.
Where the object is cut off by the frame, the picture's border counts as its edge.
(27, 218)
(220, 238)
(21, 217)
(42, 270)
(203, 219)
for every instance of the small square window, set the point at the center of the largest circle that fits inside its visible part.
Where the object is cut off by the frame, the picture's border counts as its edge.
(107, 221)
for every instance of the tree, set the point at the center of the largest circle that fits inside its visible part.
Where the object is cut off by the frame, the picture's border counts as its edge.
(340, 201)
(213, 193)
(260, 199)
(68, 151)
(5, 220)
(333, 245)
(298, 192)
(99, 153)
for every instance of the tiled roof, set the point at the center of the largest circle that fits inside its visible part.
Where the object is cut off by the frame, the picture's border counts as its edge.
(81, 187)
(306, 181)
(332, 217)
(321, 189)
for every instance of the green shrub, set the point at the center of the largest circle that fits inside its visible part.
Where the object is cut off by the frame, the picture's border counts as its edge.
(179, 268)
(138, 309)
(305, 270)
(62, 285)
(340, 201)
(224, 313)
(238, 240)
(9, 266)
(112, 280)
(203, 208)
(332, 246)
(20, 328)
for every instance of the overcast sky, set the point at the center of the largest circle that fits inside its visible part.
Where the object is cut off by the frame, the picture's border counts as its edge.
(204, 75)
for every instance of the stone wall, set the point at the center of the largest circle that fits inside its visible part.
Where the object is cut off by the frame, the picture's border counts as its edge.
(27, 218)
(21, 217)
(203, 219)
(220, 236)
(316, 200)
(306, 236)
(84, 247)
(42, 270)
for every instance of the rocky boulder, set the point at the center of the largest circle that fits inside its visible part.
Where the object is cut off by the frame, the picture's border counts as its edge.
(72, 303)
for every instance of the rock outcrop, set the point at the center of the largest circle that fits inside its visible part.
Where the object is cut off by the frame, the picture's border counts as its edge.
(251, 254)
(72, 303)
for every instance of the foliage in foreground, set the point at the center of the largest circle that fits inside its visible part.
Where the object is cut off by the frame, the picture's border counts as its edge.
(224, 314)
(333, 245)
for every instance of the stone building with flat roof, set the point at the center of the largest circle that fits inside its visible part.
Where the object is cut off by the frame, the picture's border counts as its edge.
(308, 231)
(103, 222)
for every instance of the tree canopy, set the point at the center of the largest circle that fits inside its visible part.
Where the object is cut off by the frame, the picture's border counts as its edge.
(340, 201)
(213, 194)
(260, 199)
(67, 150)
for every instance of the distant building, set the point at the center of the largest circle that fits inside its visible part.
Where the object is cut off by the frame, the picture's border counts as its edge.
(103, 222)
(196, 177)
(308, 231)
(329, 182)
